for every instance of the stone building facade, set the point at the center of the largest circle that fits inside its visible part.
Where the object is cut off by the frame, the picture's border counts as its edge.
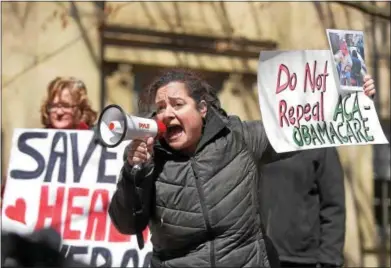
(116, 48)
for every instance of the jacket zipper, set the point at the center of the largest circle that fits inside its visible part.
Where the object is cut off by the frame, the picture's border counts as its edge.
(206, 218)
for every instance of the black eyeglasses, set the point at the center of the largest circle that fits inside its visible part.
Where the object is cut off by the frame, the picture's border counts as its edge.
(65, 107)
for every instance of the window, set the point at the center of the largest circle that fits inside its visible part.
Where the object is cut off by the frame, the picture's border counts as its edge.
(143, 76)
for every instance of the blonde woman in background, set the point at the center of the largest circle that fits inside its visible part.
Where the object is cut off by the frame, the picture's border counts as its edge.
(67, 105)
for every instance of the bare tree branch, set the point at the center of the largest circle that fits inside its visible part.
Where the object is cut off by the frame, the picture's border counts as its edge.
(84, 34)
(369, 8)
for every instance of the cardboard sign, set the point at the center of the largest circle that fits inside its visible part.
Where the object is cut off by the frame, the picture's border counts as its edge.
(302, 107)
(63, 179)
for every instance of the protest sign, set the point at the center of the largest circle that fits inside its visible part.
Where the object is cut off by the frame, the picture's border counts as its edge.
(347, 48)
(302, 107)
(63, 179)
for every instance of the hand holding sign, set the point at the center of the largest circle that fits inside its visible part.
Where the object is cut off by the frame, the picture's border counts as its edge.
(369, 86)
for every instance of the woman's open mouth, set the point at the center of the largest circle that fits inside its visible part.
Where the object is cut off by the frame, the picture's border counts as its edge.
(174, 132)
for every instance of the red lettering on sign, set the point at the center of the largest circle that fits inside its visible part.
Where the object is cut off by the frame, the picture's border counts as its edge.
(293, 115)
(291, 79)
(97, 219)
(53, 212)
(146, 234)
(98, 223)
(73, 210)
(315, 81)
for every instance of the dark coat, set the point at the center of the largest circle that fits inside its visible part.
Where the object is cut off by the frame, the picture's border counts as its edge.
(202, 211)
(304, 207)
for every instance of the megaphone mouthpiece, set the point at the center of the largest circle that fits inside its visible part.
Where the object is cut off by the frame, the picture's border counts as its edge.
(115, 126)
(162, 128)
(112, 126)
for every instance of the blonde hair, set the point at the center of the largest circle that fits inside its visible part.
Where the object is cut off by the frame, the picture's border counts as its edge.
(78, 91)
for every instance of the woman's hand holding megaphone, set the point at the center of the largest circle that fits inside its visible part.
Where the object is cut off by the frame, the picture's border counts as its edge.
(140, 151)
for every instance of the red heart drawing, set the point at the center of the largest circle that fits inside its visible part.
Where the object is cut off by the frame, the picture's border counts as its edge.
(18, 211)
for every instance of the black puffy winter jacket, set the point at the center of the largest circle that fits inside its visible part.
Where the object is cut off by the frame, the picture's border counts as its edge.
(203, 210)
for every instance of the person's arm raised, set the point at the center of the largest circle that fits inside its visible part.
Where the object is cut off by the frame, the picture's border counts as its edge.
(258, 142)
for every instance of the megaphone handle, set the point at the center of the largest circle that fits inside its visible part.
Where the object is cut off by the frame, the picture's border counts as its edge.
(137, 204)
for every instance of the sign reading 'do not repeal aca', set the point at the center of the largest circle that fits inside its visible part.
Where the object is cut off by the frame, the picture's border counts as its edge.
(302, 107)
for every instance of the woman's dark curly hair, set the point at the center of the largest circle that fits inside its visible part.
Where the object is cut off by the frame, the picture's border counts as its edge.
(197, 88)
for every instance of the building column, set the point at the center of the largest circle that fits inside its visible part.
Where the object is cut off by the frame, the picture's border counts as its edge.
(237, 99)
(120, 88)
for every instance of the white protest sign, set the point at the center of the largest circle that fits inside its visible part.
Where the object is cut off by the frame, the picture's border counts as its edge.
(65, 180)
(302, 107)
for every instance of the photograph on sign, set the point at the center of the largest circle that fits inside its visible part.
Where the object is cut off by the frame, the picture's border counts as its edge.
(347, 48)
